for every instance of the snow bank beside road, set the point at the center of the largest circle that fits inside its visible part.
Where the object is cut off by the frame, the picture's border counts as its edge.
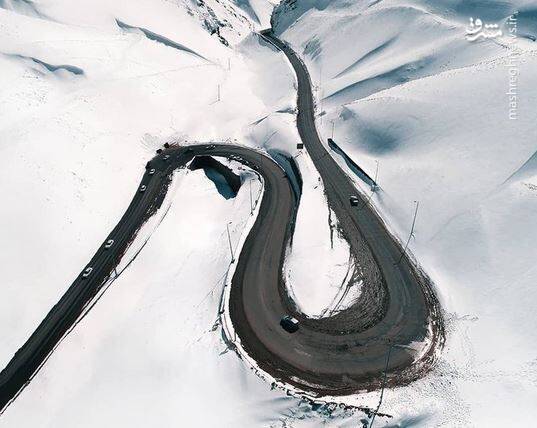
(318, 267)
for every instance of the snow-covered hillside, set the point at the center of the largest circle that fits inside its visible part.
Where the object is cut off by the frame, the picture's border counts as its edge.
(90, 89)
(398, 83)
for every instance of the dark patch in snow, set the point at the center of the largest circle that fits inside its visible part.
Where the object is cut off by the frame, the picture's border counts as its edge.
(379, 82)
(526, 22)
(288, 110)
(23, 7)
(247, 7)
(350, 163)
(410, 422)
(313, 47)
(159, 39)
(487, 10)
(225, 180)
(50, 67)
(370, 54)
(527, 169)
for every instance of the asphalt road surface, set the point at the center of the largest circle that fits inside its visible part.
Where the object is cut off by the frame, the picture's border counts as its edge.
(346, 352)
(336, 355)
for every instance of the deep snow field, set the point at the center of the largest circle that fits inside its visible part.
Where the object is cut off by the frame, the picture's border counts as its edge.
(90, 89)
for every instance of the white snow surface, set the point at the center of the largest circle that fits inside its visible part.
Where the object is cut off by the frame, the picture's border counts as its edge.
(403, 86)
(85, 101)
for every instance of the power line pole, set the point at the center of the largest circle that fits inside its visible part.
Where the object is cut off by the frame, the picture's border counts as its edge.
(383, 386)
(333, 125)
(230, 246)
(411, 232)
(320, 93)
(374, 185)
(251, 203)
(218, 96)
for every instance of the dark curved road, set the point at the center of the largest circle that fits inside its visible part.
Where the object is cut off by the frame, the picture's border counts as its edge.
(347, 352)
(337, 355)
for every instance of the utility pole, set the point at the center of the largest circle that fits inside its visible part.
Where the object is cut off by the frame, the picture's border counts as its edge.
(230, 245)
(411, 232)
(333, 125)
(251, 203)
(320, 93)
(218, 96)
(374, 185)
(383, 385)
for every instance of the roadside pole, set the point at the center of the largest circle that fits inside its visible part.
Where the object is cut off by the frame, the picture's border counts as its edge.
(230, 245)
(383, 385)
(411, 232)
(374, 185)
(251, 202)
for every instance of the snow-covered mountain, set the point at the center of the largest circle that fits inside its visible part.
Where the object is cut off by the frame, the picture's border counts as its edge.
(91, 88)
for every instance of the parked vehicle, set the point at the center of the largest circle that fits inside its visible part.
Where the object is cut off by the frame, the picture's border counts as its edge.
(289, 324)
(167, 145)
(151, 171)
(211, 147)
(166, 157)
(142, 188)
(159, 151)
(354, 201)
(108, 244)
(87, 272)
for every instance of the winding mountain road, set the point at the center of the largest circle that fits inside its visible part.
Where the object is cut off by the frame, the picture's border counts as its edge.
(397, 310)
(337, 355)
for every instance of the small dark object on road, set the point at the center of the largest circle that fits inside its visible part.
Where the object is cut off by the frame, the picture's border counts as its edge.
(159, 151)
(167, 145)
(354, 201)
(289, 324)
